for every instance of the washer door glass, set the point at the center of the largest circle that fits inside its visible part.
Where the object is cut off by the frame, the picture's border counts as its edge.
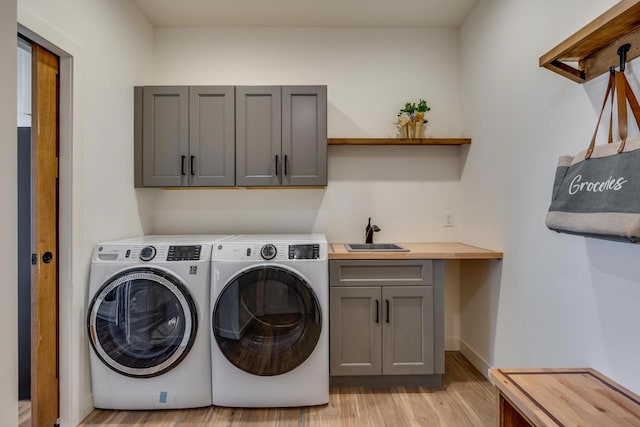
(267, 321)
(142, 322)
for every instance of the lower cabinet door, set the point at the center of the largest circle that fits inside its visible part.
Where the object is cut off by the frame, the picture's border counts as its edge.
(354, 331)
(407, 331)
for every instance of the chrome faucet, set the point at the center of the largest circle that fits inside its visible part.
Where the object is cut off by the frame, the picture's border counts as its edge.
(369, 231)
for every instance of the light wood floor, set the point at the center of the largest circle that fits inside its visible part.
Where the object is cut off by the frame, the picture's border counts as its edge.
(24, 413)
(466, 398)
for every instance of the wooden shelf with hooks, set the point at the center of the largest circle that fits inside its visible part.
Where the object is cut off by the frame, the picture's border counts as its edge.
(594, 47)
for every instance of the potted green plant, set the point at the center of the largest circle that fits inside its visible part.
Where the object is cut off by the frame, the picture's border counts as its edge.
(411, 118)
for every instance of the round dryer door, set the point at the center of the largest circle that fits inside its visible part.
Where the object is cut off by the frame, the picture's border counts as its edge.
(267, 321)
(142, 322)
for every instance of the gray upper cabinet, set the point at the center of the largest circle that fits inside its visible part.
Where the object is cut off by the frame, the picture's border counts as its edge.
(165, 136)
(281, 135)
(217, 136)
(258, 136)
(184, 136)
(304, 135)
(211, 136)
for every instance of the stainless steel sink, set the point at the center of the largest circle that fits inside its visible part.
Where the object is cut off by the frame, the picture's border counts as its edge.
(374, 247)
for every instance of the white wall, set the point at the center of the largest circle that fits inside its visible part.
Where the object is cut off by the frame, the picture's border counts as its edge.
(370, 73)
(24, 86)
(112, 46)
(556, 300)
(8, 211)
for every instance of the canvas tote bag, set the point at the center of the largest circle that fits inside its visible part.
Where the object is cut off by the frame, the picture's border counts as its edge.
(596, 193)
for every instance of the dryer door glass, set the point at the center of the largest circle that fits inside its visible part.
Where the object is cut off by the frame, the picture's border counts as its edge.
(267, 321)
(142, 322)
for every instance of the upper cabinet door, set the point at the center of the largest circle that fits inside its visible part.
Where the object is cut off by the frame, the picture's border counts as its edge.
(304, 135)
(258, 136)
(211, 136)
(165, 136)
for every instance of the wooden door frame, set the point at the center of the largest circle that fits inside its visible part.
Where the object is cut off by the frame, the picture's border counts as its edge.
(69, 360)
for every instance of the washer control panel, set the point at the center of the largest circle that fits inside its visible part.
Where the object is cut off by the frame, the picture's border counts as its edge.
(268, 251)
(184, 253)
(153, 254)
(147, 253)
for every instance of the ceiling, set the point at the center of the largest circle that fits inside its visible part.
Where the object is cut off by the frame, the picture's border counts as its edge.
(306, 13)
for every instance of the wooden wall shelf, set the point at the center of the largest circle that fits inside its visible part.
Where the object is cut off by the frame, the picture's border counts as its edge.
(398, 141)
(594, 47)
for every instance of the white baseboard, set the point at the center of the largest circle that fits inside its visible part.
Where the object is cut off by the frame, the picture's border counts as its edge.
(475, 359)
(452, 344)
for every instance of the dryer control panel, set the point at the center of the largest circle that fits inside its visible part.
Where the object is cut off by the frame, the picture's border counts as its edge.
(304, 251)
(270, 251)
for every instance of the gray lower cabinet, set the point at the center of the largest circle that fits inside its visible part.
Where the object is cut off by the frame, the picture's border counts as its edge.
(384, 319)
(407, 330)
(281, 135)
(355, 331)
(184, 136)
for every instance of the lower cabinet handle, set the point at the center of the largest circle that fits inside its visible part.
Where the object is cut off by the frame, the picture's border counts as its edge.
(183, 158)
(387, 302)
(276, 165)
(377, 311)
(285, 164)
(193, 172)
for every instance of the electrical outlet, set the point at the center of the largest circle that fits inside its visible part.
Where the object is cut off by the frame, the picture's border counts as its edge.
(448, 219)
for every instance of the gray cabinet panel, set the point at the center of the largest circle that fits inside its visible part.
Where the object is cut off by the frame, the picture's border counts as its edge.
(165, 136)
(138, 94)
(381, 272)
(410, 297)
(355, 336)
(258, 136)
(407, 333)
(211, 136)
(304, 135)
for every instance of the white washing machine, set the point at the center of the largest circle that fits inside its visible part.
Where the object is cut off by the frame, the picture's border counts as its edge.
(270, 321)
(148, 322)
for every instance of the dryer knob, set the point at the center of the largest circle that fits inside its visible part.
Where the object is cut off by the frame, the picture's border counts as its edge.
(268, 251)
(147, 253)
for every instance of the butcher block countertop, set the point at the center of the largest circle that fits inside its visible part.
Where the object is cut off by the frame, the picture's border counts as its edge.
(452, 250)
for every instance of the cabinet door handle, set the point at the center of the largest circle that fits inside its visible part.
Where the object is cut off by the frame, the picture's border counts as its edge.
(388, 309)
(182, 159)
(193, 172)
(276, 165)
(285, 164)
(377, 311)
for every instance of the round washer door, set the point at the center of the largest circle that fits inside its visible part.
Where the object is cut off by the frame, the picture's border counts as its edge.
(267, 321)
(142, 322)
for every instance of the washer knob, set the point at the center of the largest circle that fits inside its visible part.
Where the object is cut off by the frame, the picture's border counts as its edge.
(147, 253)
(268, 251)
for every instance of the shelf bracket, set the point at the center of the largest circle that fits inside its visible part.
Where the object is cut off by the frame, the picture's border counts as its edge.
(593, 49)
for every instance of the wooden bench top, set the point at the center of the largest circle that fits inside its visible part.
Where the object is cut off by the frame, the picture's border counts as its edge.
(566, 397)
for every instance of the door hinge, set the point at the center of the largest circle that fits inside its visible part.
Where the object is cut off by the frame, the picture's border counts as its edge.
(34, 259)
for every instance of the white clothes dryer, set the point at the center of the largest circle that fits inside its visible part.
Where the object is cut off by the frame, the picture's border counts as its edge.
(269, 301)
(148, 322)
